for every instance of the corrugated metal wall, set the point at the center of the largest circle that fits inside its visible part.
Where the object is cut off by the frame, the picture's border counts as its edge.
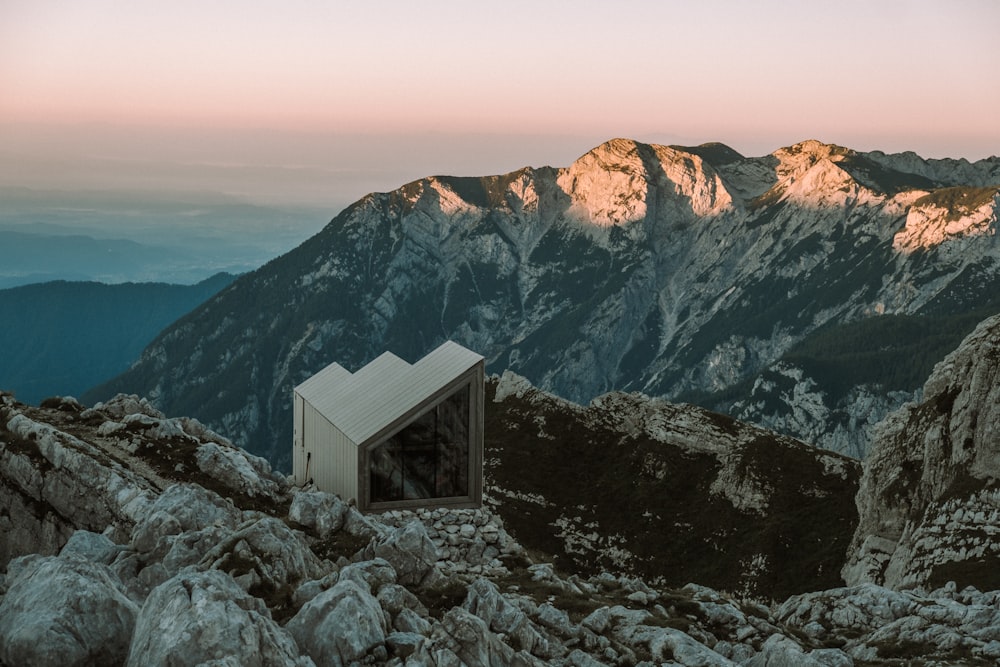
(328, 457)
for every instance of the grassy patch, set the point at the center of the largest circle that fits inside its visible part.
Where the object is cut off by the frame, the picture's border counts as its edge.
(959, 200)
(340, 543)
(652, 504)
(443, 597)
(983, 573)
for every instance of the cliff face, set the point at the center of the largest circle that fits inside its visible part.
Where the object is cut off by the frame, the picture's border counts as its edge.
(666, 270)
(930, 501)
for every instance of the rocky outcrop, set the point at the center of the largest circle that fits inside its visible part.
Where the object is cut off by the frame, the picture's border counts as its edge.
(296, 577)
(734, 506)
(929, 501)
(199, 617)
(64, 611)
(666, 270)
(786, 399)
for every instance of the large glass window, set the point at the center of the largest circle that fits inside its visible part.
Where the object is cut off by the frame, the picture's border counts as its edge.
(429, 458)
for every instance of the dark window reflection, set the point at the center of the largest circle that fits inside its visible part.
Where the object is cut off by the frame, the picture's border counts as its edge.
(427, 459)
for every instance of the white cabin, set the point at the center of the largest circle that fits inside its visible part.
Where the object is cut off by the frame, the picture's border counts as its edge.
(393, 434)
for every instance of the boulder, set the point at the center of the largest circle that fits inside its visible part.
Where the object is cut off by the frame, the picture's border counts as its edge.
(341, 625)
(64, 611)
(238, 470)
(183, 507)
(469, 638)
(276, 554)
(780, 651)
(485, 601)
(200, 617)
(316, 511)
(410, 551)
(88, 546)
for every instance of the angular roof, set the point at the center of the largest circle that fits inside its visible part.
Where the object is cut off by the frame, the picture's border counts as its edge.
(361, 404)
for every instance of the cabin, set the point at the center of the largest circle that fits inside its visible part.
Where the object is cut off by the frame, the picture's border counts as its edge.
(393, 434)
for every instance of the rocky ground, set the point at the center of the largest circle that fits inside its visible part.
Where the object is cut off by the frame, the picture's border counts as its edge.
(131, 538)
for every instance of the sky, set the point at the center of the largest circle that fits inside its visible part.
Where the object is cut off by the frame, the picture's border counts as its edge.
(322, 101)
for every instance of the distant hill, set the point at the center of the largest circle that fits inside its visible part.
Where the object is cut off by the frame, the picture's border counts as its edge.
(59, 338)
(27, 257)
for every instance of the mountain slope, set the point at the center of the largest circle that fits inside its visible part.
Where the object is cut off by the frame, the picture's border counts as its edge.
(672, 493)
(639, 267)
(930, 497)
(64, 337)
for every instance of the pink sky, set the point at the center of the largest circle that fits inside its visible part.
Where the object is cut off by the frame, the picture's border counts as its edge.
(354, 95)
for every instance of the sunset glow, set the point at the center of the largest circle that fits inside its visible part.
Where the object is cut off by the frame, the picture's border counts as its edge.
(887, 75)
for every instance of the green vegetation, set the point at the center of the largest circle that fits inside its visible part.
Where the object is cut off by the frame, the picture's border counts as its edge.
(70, 336)
(879, 178)
(896, 352)
(630, 487)
(714, 153)
(958, 200)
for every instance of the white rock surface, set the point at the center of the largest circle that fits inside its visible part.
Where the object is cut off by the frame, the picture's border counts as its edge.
(199, 617)
(64, 611)
(340, 626)
(928, 499)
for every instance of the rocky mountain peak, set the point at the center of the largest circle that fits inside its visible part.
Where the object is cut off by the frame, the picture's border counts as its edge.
(622, 181)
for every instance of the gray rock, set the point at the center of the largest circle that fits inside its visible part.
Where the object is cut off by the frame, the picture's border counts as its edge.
(198, 617)
(925, 501)
(404, 644)
(270, 548)
(64, 611)
(469, 638)
(238, 470)
(183, 507)
(341, 625)
(780, 651)
(88, 546)
(394, 598)
(410, 551)
(311, 589)
(831, 657)
(320, 512)
(369, 574)
(486, 602)
(122, 405)
(408, 620)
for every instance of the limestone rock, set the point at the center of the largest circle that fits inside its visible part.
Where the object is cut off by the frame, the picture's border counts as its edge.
(87, 546)
(199, 617)
(470, 639)
(320, 512)
(182, 507)
(340, 626)
(410, 551)
(64, 611)
(238, 470)
(275, 555)
(929, 500)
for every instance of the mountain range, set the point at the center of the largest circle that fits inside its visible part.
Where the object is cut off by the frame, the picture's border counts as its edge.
(679, 272)
(65, 337)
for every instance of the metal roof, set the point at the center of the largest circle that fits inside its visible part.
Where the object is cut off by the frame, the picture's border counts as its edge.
(361, 404)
